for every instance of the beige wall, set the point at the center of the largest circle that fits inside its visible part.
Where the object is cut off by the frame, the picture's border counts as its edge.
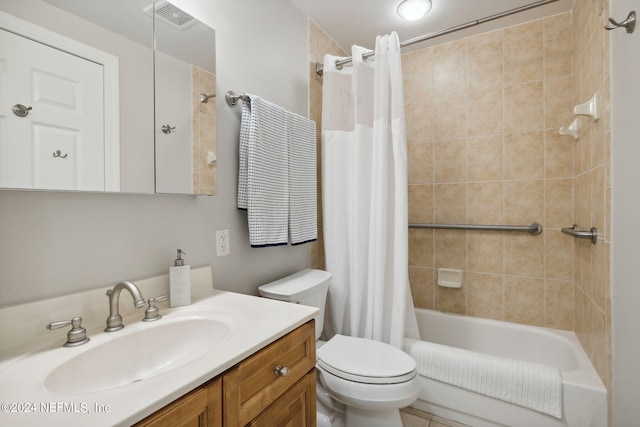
(483, 115)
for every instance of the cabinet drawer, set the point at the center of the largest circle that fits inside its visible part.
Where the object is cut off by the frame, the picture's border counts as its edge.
(200, 408)
(253, 384)
(296, 408)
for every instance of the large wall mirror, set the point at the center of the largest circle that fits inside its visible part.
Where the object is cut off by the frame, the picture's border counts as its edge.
(111, 95)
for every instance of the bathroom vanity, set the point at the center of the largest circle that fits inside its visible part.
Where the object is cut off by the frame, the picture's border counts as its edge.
(273, 387)
(228, 360)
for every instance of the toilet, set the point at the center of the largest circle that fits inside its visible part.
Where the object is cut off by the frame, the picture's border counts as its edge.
(361, 382)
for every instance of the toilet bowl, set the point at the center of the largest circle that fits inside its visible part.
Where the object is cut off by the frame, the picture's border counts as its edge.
(361, 382)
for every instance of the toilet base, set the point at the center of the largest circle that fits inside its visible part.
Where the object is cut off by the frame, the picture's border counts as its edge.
(328, 417)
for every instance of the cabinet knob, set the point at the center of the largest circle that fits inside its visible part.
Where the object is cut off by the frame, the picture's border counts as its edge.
(281, 371)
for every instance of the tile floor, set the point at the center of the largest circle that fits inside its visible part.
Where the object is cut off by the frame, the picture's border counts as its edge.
(414, 418)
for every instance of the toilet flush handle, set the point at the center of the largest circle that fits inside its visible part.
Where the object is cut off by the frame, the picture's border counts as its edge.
(281, 371)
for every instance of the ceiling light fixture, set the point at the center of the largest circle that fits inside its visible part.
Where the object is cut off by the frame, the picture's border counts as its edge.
(412, 10)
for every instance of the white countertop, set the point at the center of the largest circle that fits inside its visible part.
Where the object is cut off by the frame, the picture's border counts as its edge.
(26, 401)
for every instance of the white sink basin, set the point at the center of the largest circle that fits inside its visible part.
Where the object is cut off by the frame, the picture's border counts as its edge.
(137, 356)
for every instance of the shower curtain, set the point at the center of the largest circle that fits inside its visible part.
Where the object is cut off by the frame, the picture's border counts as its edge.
(364, 192)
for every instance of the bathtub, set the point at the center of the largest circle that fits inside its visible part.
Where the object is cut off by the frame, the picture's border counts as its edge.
(584, 396)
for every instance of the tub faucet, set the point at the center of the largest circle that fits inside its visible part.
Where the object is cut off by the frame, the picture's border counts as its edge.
(114, 321)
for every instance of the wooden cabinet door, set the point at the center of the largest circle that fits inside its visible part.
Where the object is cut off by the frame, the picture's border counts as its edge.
(253, 385)
(295, 408)
(200, 408)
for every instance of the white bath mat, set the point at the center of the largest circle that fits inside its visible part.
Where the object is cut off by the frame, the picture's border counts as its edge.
(531, 385)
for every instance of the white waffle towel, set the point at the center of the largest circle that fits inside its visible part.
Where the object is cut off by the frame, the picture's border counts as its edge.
(531, 385)
(303, 211)
(263, 181)
(277, 174)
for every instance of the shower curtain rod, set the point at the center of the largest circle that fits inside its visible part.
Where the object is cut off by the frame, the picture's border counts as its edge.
(342, 62)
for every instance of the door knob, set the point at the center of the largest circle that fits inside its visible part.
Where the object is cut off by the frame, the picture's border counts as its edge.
(21, 110)
(168, 129)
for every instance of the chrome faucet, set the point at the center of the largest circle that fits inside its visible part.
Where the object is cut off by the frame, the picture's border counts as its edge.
(114, 321)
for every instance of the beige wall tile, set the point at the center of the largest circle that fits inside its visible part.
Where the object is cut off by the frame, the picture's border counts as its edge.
(582, 200)
(557, 45)
(484, 203)
(450, 118)
(420, 203)
(452, 300)
(598, 349)
(558, 255)
(484, 61)
(523, 53)
(524, 107)
(450, 68)
(524, 155)
(485, 251)
(484, 112)
(597, 198)
(449, 161)
(559, 304)
(421, 280)
(485, 296)
(559, 154)
(450, 201)
(417, 72)
(450, 249)
(524, 255)
(600, 289)
(420, 247)
(558, 203)
(420, 163)
(558, 102)
(420, 121)
(523, 202)
(484, 158)
(524, 300)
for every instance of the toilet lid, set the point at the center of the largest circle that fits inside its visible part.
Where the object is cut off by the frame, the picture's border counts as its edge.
(366, 361)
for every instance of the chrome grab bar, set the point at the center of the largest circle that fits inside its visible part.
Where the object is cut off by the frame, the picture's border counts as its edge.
(534, 228)
(582, 234)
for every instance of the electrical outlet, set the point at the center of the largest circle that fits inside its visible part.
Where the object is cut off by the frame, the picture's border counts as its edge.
(223, 247)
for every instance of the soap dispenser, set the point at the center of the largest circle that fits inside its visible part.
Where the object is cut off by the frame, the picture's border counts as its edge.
(179, 282)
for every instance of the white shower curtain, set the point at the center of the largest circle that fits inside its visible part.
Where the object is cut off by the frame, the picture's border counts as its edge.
(364, 189)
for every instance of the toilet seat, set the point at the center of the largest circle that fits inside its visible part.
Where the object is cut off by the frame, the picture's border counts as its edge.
(365, 361)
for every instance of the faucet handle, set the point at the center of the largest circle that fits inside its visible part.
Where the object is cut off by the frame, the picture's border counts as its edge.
(76, 336)
(152, 312)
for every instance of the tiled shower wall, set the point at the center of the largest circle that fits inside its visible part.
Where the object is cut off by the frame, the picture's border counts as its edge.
(483, 115)
(204, 132)
(592, 187)
(320, 44)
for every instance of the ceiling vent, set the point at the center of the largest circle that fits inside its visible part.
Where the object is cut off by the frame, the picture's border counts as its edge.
(170, 14)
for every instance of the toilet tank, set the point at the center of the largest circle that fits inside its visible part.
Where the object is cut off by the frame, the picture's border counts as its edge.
(306, 287)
